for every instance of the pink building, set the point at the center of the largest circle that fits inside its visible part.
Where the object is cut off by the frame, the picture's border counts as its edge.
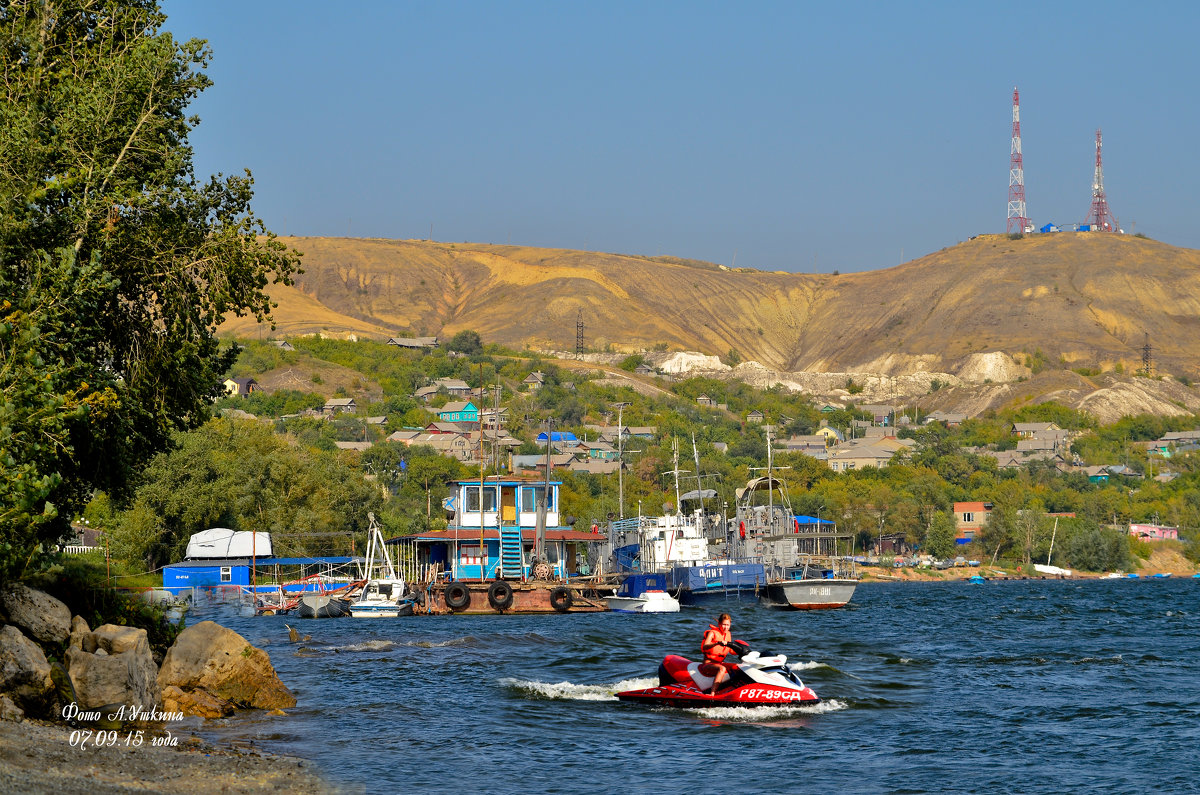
(1154, 532)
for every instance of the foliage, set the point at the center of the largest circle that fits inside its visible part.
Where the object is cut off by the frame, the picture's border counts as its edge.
(1096, 548)
(243, 476)
(116, 265)
(83, 586)
(631, 363)
(853, 388)
(939, 541)
(466, 341)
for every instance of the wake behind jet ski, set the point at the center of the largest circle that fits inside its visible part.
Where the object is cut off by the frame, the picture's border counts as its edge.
(754, 681)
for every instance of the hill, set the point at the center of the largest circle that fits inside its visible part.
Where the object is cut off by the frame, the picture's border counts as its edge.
(1088, 300)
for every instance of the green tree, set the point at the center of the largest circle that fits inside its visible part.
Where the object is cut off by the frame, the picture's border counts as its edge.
(116, 264)
(939, 540)
(466, 341)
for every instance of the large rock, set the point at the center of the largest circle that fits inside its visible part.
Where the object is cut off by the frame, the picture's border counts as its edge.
(197, 702)
(222, 663)
(40, 615)
(24, 671)
(81, 635)
(121, 671)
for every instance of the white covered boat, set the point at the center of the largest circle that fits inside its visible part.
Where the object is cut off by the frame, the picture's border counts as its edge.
(643, 593)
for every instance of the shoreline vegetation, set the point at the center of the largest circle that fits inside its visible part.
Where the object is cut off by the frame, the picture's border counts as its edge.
(1161, 561)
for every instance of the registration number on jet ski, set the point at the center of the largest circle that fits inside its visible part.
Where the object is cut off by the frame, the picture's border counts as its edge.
(773, 695)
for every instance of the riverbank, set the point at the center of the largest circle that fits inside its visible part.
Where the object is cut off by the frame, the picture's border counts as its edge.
(38, 757)
(1161, 561)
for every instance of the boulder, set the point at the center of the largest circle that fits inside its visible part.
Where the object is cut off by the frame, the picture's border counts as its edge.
(9, 710)
(197, 702)
(121, 671)
(24, 671)
(39, 615)
(222, 663)
(81, 635)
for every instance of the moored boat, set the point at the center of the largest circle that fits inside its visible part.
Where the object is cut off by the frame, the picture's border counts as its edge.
(319, 605)
(383, 594)
(643, 593)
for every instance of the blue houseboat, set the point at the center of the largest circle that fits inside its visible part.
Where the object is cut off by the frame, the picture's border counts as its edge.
(487, 559)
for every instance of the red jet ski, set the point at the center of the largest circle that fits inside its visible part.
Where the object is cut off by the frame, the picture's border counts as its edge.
(754, 681)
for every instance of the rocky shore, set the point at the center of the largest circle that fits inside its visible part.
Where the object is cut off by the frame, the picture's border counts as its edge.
(38, 757)
(99, 711)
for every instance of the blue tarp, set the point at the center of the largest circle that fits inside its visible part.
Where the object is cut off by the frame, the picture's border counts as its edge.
(811, 520)
(636, 584)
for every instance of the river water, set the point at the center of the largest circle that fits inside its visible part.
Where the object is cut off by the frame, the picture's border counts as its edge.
(1025, 686)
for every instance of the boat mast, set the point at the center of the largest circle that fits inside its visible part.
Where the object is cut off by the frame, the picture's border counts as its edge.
(539, 544)
(1052, 534)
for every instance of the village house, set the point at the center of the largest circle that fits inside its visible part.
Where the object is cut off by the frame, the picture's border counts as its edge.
(534, 381)
(832, 435)
(705, 400)
(1028, 430)
(755, 417)
(459, 411)
(1154, 532)
(947, 418)
(814, 445)
(339, 406)
(240, 387)
(860, 453)
(644, 369)
(880, 415)
(413, 342)
(556, 437)
(282, 345)
(969, 518)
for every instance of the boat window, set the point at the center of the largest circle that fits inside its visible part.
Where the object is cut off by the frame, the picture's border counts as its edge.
(489, 498)
(529, 499)
(226, 574)
(679, 533)
(468, 554)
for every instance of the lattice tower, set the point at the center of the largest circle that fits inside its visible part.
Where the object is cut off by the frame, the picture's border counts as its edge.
(1100, 218)
(1018, 217)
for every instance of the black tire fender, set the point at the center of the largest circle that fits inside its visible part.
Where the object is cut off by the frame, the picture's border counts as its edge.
(457, 596)
(500, 595)
(561, 599)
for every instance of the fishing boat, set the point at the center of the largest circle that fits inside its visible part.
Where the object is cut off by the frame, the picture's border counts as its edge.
(643, 593)
(799, 553)
(688, 546)
(383, 594)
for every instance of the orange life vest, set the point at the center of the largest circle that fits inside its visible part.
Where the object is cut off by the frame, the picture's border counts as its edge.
(715, 654)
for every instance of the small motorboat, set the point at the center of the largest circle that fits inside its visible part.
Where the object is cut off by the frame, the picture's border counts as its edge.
(976, 579)
(643, 593)
(754, 680)
(383, 594)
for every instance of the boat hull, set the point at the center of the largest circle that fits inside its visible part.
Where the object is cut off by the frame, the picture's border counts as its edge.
(718, 581)
(645, 603)
(810, 594)
(318, 606)
(381, 609)
(528, 598)
(688, 697)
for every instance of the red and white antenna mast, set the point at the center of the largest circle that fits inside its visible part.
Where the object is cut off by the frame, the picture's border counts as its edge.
(1018, 218)
(1100, 218)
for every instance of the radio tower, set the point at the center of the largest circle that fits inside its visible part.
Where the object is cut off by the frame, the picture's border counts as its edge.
(1018, 218)
(1100, 217)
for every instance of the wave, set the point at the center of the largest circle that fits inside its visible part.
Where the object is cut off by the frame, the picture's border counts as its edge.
(569, 691)
(761, 714)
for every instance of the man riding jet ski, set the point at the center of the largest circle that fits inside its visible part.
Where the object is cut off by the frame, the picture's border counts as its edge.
(753, 681)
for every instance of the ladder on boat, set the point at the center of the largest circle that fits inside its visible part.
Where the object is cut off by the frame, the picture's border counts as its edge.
(512, 560)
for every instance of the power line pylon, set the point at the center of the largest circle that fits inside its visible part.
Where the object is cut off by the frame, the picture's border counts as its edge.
(1018, 217)
(1100, 218)
(579, 333)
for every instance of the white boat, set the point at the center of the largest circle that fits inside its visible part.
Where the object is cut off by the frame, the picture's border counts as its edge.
(642, 593)
(383, 594)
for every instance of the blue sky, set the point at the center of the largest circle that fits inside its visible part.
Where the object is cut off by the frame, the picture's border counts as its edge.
(782, 136)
